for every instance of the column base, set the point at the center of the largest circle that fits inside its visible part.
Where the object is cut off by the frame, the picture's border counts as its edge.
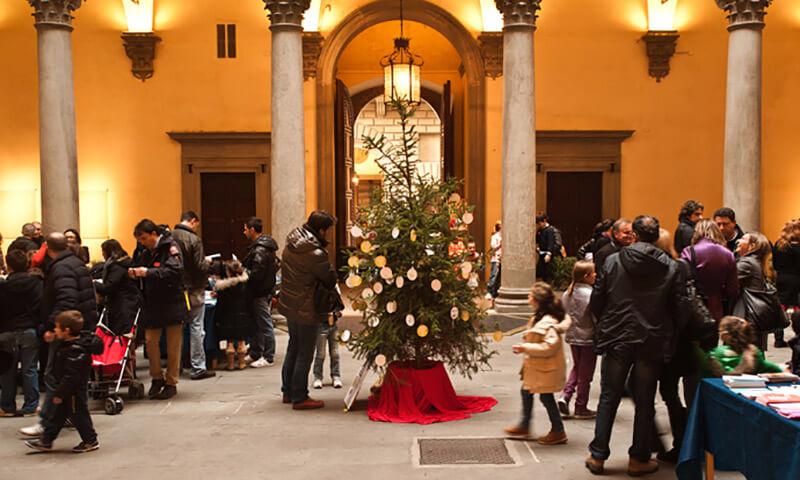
(505, 322)
(513, 300)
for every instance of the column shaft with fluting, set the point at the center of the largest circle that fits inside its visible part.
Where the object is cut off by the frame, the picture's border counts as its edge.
(742, 170)
(58, 157)
(287, 153)
(519, 156)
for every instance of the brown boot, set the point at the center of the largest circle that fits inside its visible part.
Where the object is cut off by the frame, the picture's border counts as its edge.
(309, 404)
(241, 351)
(553, 438)
(516, 431)
(595, 465)
(230, 354)
(637, 468)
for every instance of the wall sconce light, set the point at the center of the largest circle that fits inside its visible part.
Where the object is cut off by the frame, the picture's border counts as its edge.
(661, 36)
(139, 40)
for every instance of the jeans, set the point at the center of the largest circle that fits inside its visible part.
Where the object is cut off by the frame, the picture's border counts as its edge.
(494, 279)
(297, 363)
(196, 334)
(27, 354)
(327, 338)
(76, 408)
(50, 384)
(614, 370)
(549, 402)
(263, 342)
(580, 378)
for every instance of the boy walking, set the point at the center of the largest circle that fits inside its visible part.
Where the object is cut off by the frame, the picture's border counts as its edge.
(73, 359)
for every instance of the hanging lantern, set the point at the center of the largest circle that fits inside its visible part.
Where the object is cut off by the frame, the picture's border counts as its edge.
(401, 77)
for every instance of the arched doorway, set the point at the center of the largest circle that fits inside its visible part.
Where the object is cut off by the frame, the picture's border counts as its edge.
(473, 139)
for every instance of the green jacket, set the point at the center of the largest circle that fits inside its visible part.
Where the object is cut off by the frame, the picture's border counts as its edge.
(731, 362)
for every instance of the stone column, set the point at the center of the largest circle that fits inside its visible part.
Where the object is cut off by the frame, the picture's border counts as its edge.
(519, 156)
(287, 156)
(58, 157)
(742, 171)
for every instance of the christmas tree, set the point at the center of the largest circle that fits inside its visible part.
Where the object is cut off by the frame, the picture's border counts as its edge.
(412, 275)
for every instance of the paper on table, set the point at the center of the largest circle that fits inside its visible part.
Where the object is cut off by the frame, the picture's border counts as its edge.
(213, 256)
(751, 393)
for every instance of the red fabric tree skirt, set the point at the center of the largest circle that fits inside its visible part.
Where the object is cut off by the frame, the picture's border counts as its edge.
(422, 396)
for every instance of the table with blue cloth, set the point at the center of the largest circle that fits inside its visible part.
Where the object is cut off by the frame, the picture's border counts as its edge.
(735, 433)
(210, 341)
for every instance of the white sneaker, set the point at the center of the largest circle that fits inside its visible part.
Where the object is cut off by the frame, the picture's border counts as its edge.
(261, 362)
(337, 382)
(247, 359)
(317, 383)
(32, 431)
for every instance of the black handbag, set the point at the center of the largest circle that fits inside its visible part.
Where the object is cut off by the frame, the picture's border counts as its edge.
(762, 308)
(327, 300)
(702, 325)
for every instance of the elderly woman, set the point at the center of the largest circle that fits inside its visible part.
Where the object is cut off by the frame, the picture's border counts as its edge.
(754, 251)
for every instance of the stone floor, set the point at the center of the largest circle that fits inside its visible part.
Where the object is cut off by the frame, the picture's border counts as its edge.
(235, 425)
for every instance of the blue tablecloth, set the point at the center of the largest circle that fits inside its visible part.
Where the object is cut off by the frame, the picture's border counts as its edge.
(741, 434)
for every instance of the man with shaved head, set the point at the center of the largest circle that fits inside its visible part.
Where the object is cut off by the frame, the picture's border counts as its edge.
(67, 286)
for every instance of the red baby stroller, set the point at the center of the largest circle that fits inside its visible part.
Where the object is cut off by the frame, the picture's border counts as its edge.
(115, 368)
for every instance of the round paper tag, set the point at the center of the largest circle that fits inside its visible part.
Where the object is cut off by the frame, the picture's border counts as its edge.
(413, 235)
(380, 261)
(367, 294)
(436, 285)
(373, 321)
(411, 274)
(395, 232)
(466, 267)
(355, 281)
(380, 360)
(356, 232)
(386, 273)
(345, 336)
(498, 336)
(400, 282)
(366, 246)
(410, 320)
(455, 198)
(467, 218)
(391, 307)
(353, 261)
(422, 331)
(465, 315)
(377, 288)
(454, 313)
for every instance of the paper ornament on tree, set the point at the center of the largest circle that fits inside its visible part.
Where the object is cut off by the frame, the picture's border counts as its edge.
(466, 267)
(380, 360)
(436, 285)
(353, 261)
(454, 313)
(413, 235)
(356, 232)
(410, 320)
(345, 336)
(400, 282)
(373, 321)
(498, 336)
(422, 331)
(395, 232)
(391, 307)
(380, 261)
(411, 274)
(367, 293)
(386, 273)
(377, 288)
(366, 246)
(465, 315)
(355, 280)
(467, 218)
(455, 198)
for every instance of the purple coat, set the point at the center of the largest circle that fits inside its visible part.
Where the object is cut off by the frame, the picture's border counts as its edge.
(716, 274)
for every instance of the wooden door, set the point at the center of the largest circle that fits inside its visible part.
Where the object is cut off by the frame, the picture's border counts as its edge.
(574, 205)
(227, 201)
(345, 199)
(447, 117)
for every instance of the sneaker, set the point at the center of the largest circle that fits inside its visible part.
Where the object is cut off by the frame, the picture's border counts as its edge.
(261, 362)
(32, 431)
(309, 404)
(3, 413)
(337, 382)
(317, 383)
(563, 406)
(202, 375)
(39, 445)
(84, 447)
(248, 359)
(584, 413)
(167, 392)
(553, 438)
(516, 431)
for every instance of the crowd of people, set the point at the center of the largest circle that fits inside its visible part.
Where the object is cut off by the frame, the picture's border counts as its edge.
(51, 302)
(659, 310)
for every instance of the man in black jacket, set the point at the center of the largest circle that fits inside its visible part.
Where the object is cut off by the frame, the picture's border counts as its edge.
(305, 269)
(165, 306)
(195, 276)
(26, 242)
(621, 236)
(640, 308)
(67, 286)
(261, 266)
(21, 298)
(725, 218)
(545, 245)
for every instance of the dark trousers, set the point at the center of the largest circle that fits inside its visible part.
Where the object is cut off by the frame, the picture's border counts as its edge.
(47, 408)
(76, 408)
(493, 285)
(297, 363)
(614, 370)
(678, 414)
(549, 402)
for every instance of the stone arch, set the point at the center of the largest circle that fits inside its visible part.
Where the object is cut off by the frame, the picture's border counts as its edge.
(465, 44)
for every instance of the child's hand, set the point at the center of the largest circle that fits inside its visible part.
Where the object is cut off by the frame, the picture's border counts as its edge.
(56, 401)
(213, 294)
(518, 348)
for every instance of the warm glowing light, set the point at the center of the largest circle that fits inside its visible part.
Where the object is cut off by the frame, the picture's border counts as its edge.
(403, 80)
(492, 19)
(311, 17)
(661, 15)
(139, 14)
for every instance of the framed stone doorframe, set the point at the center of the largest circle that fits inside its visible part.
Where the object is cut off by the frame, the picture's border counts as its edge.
(225, 152)
(582, 151)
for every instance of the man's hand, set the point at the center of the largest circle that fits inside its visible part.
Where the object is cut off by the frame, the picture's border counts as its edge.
(547, 258)
(49, 336)
(131, 273)
(57, 401)
(140, 272)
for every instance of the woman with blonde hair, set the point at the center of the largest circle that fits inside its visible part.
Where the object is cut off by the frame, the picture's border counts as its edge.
(786, 262)
(715, 268)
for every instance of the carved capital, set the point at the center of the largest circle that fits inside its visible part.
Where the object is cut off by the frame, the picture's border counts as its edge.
(491, 44)
(745, 13)
(54, 12)
(660, 48)
(518, 12)
(286, 13)
(141, 49)
(312, 47)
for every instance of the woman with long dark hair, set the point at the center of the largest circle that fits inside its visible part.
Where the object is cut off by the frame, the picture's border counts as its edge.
(120, 291)
(786, 262)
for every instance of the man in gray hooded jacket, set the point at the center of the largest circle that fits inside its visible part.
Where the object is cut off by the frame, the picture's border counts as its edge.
(305, 269)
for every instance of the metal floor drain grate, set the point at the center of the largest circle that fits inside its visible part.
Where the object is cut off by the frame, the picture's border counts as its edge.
(464, 451)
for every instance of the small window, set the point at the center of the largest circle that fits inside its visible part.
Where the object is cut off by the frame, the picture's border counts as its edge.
(226, 40)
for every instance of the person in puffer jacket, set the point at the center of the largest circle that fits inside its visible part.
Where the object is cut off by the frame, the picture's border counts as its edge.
(72, 365)
(544, 368)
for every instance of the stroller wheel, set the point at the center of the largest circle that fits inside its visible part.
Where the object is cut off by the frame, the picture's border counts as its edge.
(119, 404)
(110, 406)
